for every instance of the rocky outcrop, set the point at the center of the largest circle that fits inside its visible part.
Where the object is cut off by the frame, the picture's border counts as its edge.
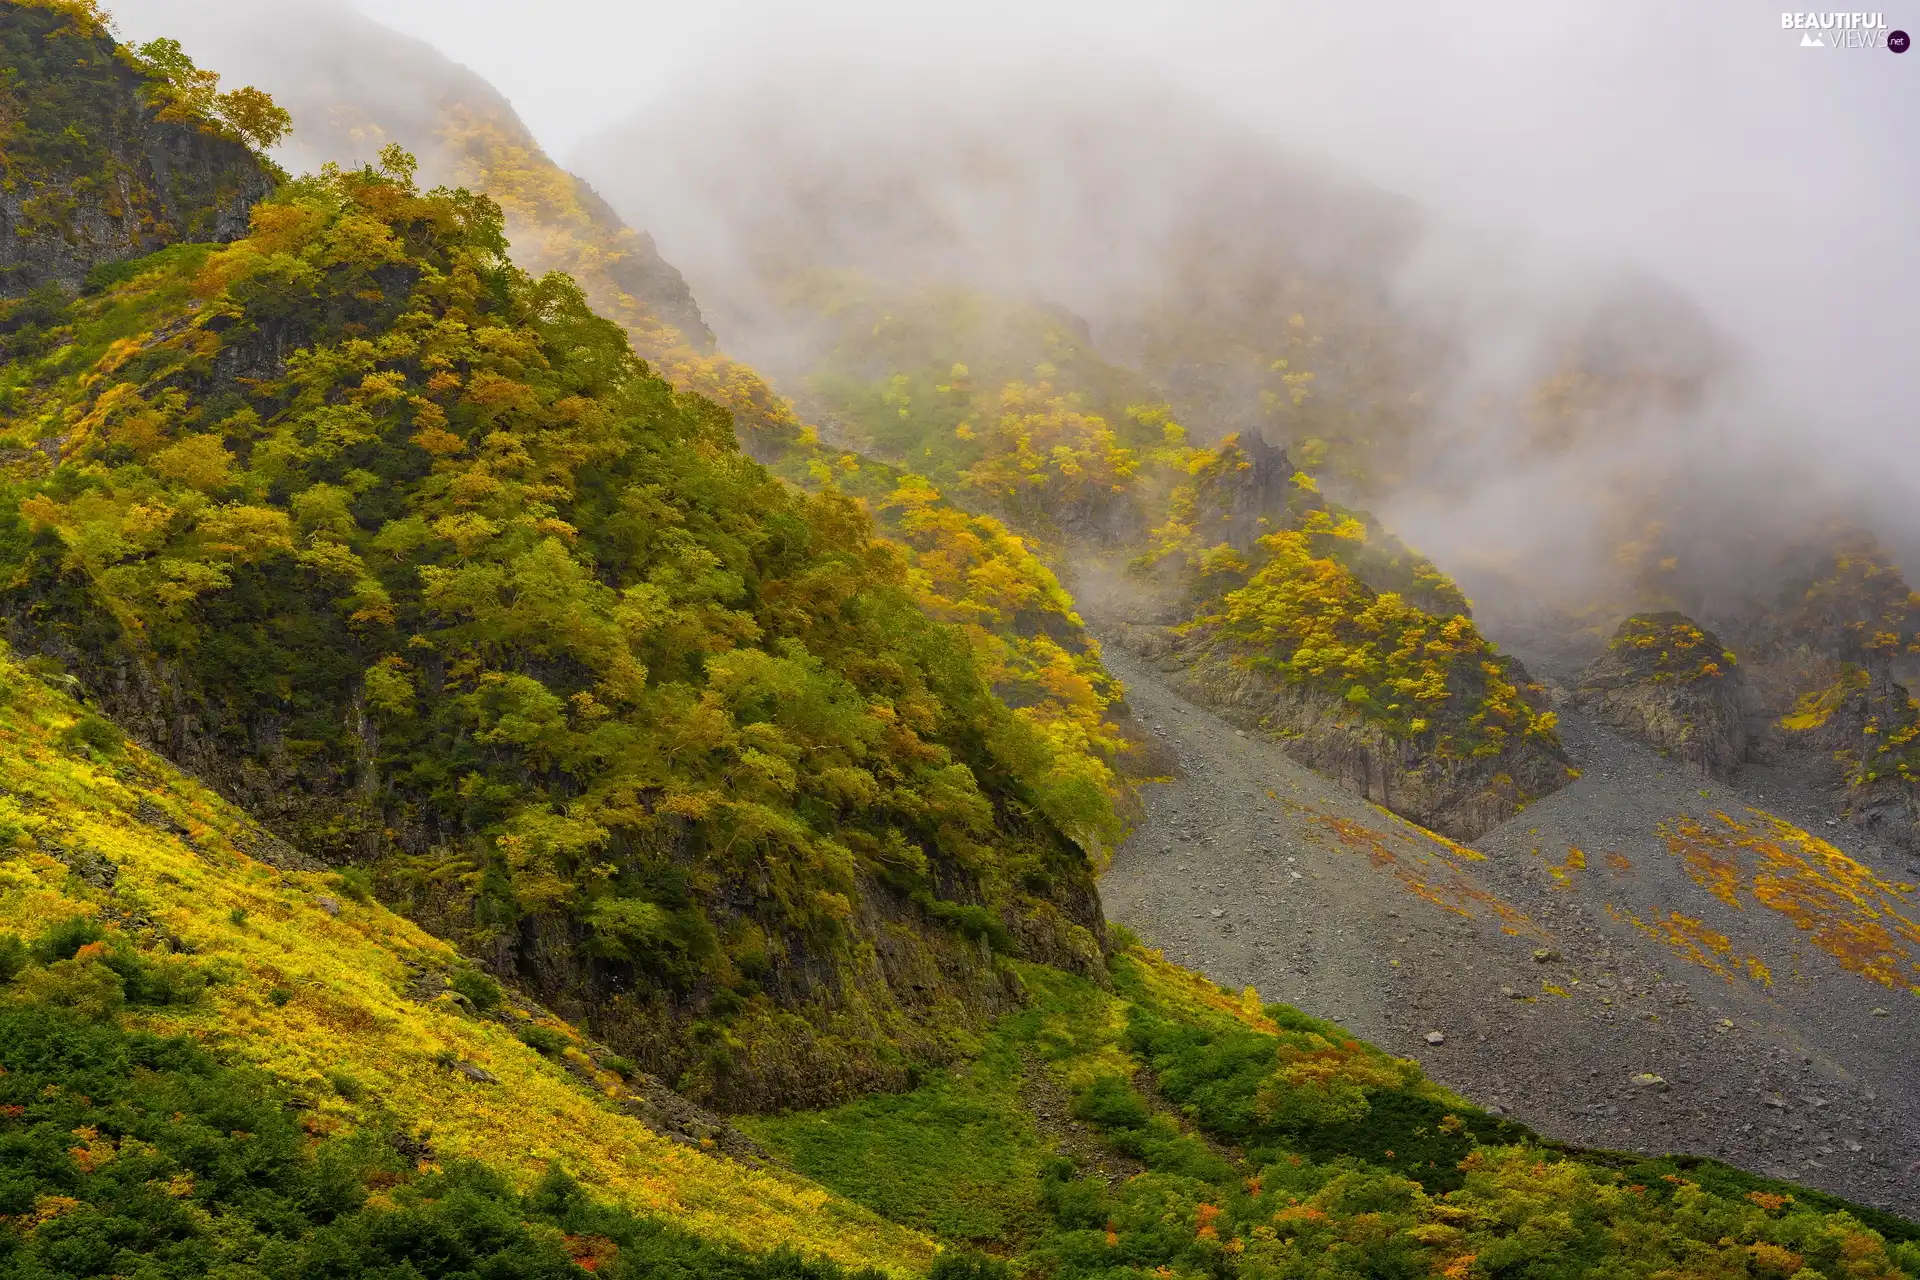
(1846, 730)
(1406, 704)
(1888, 805)
(1459, 795)
(1238, 503)
(637, 269)
(92, 175)
(1670, 683)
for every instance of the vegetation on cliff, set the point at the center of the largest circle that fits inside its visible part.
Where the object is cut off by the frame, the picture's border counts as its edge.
(1671, 683)
(1837, 671)
(969, 569)
(1670, 648)
(1295, 604)
(1012, 410)
(108, 152)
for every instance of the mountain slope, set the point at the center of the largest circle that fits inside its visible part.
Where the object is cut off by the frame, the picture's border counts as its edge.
(1358, 653)
(356, 1011)
(408, 551)
(1208, 258)
(354, 85)
(413, 553)
(325, 1023)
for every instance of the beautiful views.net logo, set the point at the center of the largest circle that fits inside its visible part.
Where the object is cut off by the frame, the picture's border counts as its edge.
(1845, 31)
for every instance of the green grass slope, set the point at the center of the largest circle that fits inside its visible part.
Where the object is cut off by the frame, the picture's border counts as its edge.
(349, 1016)
(1166, 1127)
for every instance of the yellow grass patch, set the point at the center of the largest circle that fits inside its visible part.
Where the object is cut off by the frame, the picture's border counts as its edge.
(179, 851)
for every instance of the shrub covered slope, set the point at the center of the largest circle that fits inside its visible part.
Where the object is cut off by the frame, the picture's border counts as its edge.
(277, 1008)
(406, 550)
(410, 553)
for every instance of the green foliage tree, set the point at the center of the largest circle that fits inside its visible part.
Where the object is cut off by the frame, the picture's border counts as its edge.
(182, 91)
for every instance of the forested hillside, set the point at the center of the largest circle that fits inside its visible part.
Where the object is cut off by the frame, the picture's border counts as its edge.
(406, 550)
(357, 86)
(488, 787)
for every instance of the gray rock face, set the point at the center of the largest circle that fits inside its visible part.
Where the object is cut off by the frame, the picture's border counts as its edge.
(1459, 797)
(1670, 683)
(643, 273)
(91, 174)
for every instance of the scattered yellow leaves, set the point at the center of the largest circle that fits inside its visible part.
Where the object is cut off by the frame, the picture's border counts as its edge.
(1849, 911)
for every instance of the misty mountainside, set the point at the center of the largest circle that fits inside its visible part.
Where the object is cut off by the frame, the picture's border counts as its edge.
(356, 86)
(971, 553)
(491, 787)
(106, 156)
(969, 570)
(1560, 434)
(1202, 255)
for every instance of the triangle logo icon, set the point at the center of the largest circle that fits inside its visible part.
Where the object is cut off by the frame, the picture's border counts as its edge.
(1812, 41)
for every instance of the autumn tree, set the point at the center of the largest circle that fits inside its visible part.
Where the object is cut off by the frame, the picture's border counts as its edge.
(185, 92)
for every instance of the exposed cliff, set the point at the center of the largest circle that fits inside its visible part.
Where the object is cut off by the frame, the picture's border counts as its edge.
(1301, 619)
(1673, 685)
(96, 167)
(1831, 662)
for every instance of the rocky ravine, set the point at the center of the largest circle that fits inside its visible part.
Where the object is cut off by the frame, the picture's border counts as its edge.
(1256, 870)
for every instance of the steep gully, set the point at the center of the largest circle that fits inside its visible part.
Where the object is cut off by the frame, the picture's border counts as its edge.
(1549, 1003)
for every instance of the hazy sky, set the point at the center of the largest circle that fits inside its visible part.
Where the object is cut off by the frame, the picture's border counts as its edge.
(1779, 185)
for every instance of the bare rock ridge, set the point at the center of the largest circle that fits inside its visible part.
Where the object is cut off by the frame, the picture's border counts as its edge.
(117, 183)
(1671, 684)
